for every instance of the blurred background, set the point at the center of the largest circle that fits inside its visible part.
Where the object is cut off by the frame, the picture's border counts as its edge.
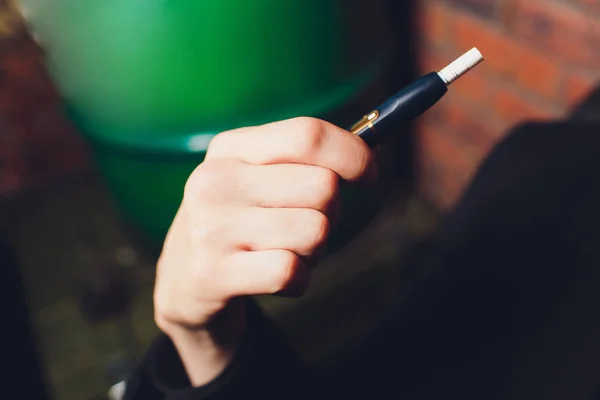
(92, 165)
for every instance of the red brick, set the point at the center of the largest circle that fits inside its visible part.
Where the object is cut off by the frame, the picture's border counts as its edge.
(441, 183)
(431, 138)
(506, 57)
(538, 73)
(431, 59)
(483, 8)
(471, 126)
(498, 50)
(528, 46)
(50, 159)
(452, 140)
(566, 32)
(443, 168)
(577, 87)
(37, 142)
(21, 64)
(13, 99)
(432, 185)
(432, 22)
(474, 86)
(593, 5)
(515, 108)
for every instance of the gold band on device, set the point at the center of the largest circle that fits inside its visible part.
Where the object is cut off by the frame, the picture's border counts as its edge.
(367, 120)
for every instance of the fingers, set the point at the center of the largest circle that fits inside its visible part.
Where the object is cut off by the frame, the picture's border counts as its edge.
(254, 215)
(269, 186)
(264, 272)
(298, 141)
(299, 230)
(290, 186)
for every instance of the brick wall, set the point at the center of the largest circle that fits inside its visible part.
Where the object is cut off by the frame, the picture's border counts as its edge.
(542, 57)
(38, 145)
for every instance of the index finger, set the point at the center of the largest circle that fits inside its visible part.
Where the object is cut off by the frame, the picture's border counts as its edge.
(299, 141)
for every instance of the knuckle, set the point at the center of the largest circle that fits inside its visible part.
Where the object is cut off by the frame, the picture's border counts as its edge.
(363, 163)
(327, 186)
(317, 227)
(161, 308)
(204, 226)
(165, 312)
(309, 135)
(202, 233)
(202, 275)
(161, 317)
(206, 180)
(283, 270)
(218, 144)
(200, 179)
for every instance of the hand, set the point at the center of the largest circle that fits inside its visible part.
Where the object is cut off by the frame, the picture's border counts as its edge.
(254, 215)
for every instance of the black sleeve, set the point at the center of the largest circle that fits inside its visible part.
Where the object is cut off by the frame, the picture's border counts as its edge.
(266, 367)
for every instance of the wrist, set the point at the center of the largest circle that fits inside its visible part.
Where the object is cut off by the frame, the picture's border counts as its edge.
(207, 351)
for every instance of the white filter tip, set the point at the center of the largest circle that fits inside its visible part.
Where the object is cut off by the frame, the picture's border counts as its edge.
(461, 66)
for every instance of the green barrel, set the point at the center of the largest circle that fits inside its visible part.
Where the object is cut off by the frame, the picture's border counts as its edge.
(150, 82)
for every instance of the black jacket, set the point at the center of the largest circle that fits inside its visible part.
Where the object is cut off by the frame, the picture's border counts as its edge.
(507, 305)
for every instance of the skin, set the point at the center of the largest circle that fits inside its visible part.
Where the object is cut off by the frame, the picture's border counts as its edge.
(254, 217)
